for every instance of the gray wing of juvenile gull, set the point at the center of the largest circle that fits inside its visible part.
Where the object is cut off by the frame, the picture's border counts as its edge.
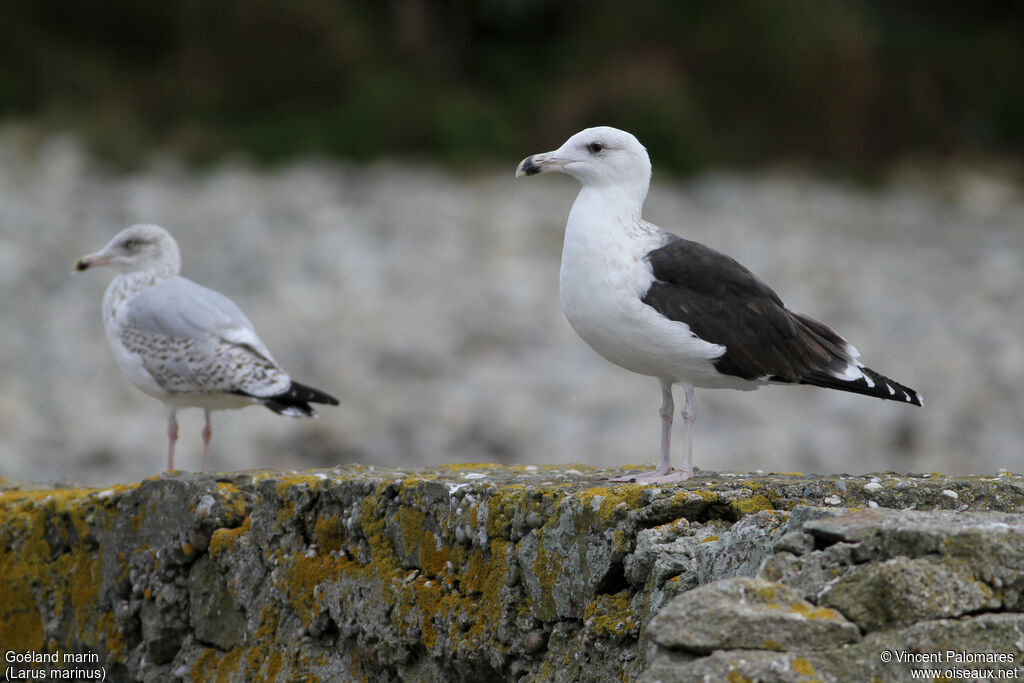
(193, 339)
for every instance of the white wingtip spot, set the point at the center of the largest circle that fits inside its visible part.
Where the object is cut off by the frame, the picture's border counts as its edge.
(853, 372)
(892, 392)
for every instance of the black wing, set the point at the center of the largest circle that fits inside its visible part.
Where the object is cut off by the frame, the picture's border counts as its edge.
(726, 304)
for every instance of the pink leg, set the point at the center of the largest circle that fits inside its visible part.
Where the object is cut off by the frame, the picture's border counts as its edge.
(207, 433)
(689, 418)
(172, 436)
(664, 471)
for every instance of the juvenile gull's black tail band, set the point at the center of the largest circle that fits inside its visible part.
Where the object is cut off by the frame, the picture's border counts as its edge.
(295, 401)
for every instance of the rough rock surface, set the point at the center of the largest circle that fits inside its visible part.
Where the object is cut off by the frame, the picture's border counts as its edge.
(486, 572)
(745, 613)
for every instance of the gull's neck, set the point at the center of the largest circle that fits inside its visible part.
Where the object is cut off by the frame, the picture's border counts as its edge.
(140, 279)
(605, 211)
(126, 285)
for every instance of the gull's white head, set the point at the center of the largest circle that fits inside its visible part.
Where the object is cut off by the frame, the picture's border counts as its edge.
(597, 157)
(138, 248)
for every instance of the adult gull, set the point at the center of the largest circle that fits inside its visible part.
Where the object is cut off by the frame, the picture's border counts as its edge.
(660, 305)
(184, 344)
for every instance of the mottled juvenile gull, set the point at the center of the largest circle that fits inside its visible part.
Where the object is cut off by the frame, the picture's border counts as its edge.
(184, 344)
(659, 305)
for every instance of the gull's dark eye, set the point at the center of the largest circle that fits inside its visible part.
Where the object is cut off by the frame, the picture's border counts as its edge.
(595, 147)
(130, 244)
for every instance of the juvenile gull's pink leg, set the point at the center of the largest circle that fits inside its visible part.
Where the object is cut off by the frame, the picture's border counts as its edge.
(172, 436)
(207, 433)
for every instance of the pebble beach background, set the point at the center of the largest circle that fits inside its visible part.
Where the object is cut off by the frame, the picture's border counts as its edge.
(426, 300)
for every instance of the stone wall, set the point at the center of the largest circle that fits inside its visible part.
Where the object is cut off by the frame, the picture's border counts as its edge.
(481, 572)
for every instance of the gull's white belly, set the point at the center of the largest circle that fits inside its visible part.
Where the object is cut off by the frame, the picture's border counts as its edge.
(600, 292)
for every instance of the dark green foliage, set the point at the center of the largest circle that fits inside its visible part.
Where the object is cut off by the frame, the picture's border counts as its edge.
(832, 82)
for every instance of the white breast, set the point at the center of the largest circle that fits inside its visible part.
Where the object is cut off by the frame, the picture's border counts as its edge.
(603, 277)
(120, 289)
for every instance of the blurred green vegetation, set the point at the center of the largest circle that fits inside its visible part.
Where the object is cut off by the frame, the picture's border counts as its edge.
(833, 83)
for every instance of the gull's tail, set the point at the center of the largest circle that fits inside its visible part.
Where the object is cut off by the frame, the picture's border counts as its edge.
(295, 401)
(869, 383)
(842, 370)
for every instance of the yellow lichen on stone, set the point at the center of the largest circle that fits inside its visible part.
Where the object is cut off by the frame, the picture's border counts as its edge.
(329, 533)
(546, 567)
(137, 519)
(688, 503)
(112, 640)
(748, 506)
(293, 480)
(501, 508)
(707, 495)
(611, 616)
(37, 573)
(274, 664)
(764, 591)
(420, 542)
(460, 467)
(610, 502)
(812, 612)
(986, 591)
(486, 575)
(622, 541)
(223, 538)
(264, 659)
(414, 601)
(803, 666)
(425, 599)
(434, 602)
(83, 588)
(735, 676)
(772, 645)
(228, 665)
(21, 624)
(286, 513)
(232, 498)
(302, 577)
(205, 666)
